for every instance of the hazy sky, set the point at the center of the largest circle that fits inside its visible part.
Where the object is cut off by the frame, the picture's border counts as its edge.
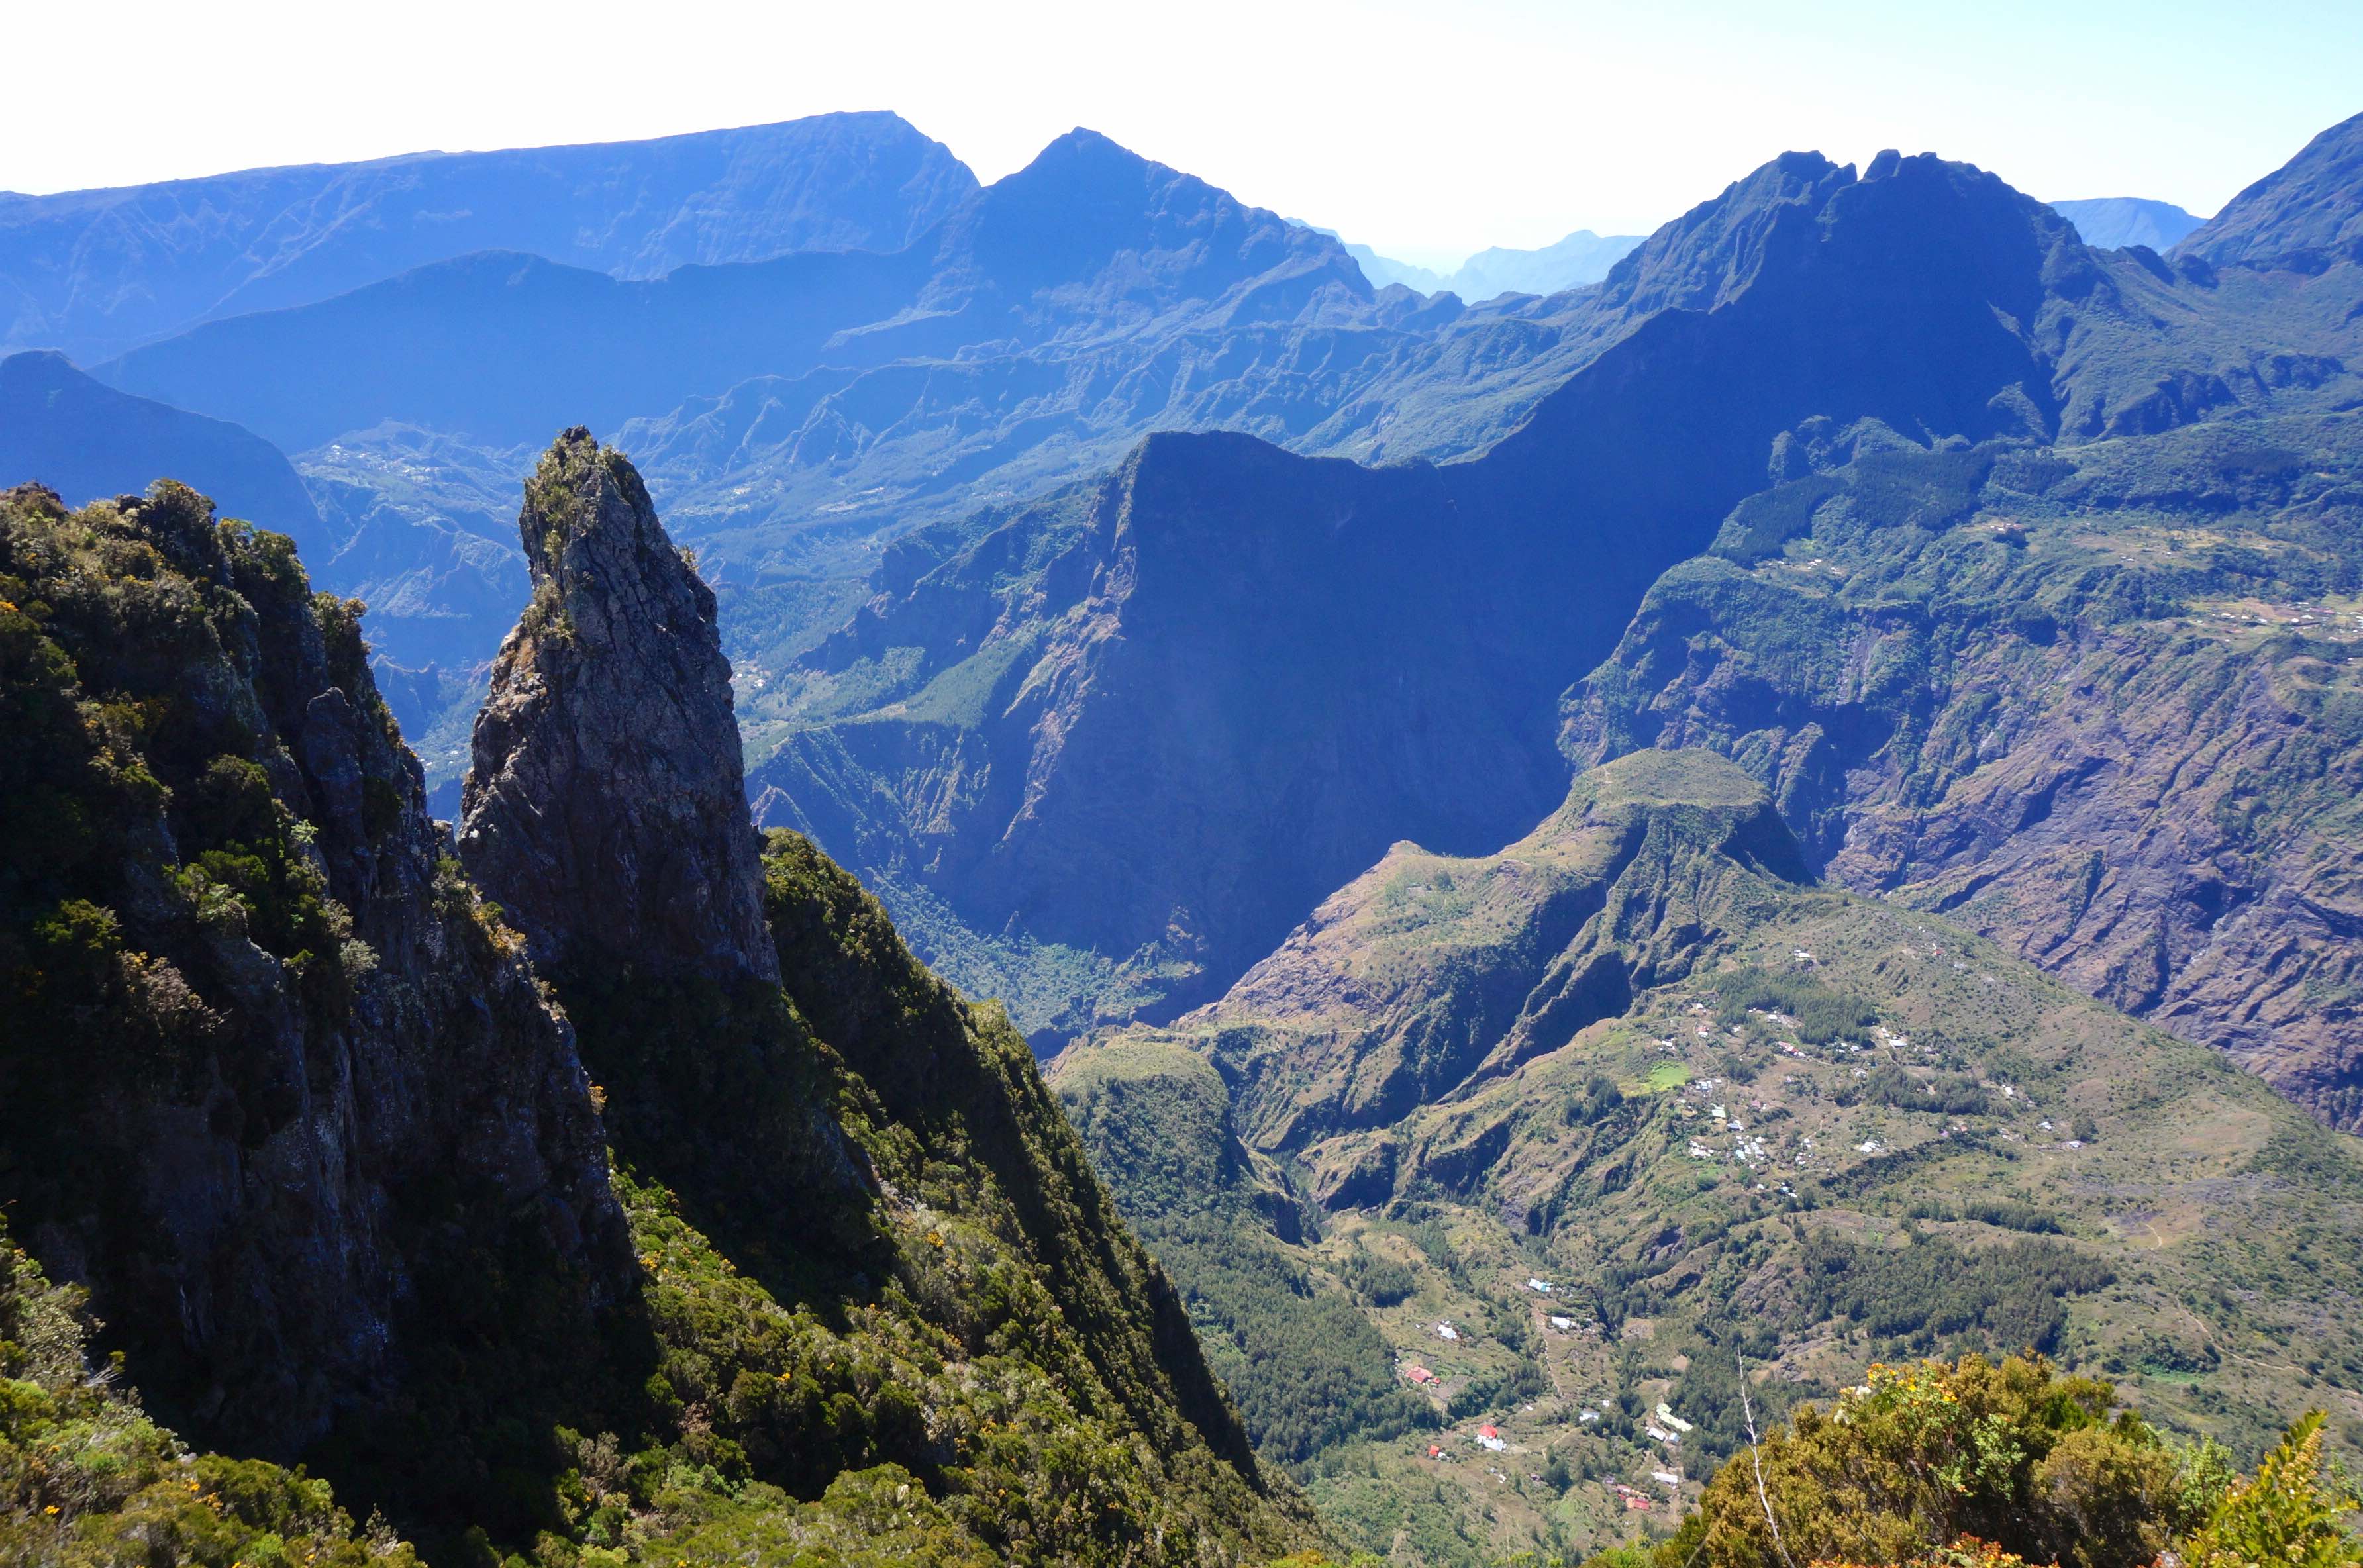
(1425, 129)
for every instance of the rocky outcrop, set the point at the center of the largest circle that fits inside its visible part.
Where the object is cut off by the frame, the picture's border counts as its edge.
(274, 1081)
(607, 806)
(286, 1095)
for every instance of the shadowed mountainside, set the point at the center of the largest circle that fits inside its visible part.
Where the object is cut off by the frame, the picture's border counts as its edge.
(86, 441)
(2305, 215)
(1060, 751)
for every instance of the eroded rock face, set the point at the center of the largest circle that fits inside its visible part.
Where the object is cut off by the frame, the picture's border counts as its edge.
(299, 1090)
(606, 809)
(2142, 780)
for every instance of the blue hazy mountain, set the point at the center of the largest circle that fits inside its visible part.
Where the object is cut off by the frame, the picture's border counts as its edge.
(1580, 257)
(1087, 244)
(93, 273)
(2112, 222)
(87, 441)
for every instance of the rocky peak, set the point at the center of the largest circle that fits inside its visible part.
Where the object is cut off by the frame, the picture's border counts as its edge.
(1091, 222)
(1710, 253)
(606, 808)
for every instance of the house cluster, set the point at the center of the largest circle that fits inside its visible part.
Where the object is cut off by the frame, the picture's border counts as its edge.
(1635, 1502)
(1489, 1439)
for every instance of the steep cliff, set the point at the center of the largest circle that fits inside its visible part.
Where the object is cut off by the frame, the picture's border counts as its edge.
(826, 1114)
(2093, 701)
(277, 1083)
(606, 808)
(290, 1100)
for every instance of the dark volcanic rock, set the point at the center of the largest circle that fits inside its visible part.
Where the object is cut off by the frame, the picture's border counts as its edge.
(607, 807)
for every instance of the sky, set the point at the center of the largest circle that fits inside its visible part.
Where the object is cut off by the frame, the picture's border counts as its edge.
(1427, 130)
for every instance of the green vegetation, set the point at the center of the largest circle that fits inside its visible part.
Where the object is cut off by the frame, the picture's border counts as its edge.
(1916, 1175)
(1307, 1369)
(88, 1481)
(2012, 1297)
(1979, 1463)
(1821, 1015)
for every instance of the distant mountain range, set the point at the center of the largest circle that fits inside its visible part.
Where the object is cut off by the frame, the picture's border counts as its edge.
(966, 740)
(2112, 222)
(789, 410)
(1582, 257)
(95, 272)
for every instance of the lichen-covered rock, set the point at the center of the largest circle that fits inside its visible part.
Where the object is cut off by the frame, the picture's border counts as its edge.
(607, 807)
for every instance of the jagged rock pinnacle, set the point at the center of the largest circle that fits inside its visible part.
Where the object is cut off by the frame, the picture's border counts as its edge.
(605, 806)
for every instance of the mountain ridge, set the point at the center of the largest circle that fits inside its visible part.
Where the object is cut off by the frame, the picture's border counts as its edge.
(92, 273)
(2306, 215)
(1807, 313)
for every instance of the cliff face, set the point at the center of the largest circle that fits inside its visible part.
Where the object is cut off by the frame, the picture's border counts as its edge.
(1154, 721)
(2091, 701)
(273, 1076)
(826, 1113)
(289, 1097)
(607, 807)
